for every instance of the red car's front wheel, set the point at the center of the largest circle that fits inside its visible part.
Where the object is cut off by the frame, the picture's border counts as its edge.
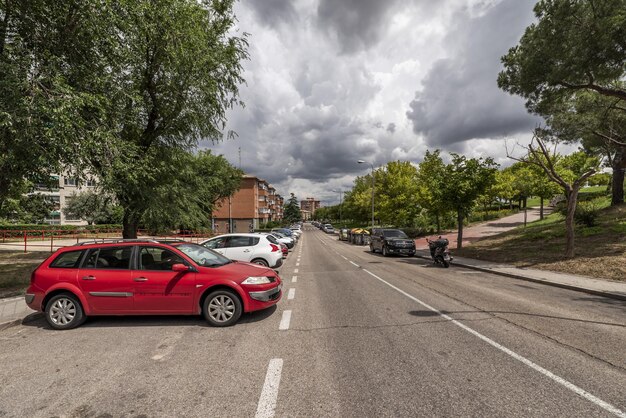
(222, 308)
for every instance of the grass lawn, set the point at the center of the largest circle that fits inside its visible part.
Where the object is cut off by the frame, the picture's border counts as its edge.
(15, 270)
(600, 251)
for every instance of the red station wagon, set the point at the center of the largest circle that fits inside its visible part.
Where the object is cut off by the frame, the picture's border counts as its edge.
(146, 277)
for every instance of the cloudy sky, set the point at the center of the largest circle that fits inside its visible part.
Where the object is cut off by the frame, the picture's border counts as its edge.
(330, 82)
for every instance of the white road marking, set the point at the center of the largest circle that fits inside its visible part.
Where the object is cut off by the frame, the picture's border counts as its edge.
(269, 394)
(297, 264)
(354, 264)
(344, 257)
(295, 270)
(294, 279)
(292, 293)
(599, 402)
(285, 320)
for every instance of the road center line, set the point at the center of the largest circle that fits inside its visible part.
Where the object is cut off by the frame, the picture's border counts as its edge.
(599, 402)
(292, 293)
(295, 270)
(294, 279)
(269, 394)
(354, 264)
(297, 264)
(285, 320)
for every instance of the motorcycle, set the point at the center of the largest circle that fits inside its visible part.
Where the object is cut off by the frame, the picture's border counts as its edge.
(439, 251)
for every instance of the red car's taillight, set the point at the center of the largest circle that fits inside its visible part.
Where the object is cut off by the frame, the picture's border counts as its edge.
(274, 247)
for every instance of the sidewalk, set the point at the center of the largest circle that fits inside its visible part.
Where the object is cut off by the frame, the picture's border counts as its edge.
(607, 288)
(13, 311)
(487, 229)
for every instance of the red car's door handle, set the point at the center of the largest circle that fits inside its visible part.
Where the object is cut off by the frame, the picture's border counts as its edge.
(140, 279)
(89, 277)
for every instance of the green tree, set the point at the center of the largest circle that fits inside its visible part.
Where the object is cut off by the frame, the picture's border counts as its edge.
(397, 194)
(431, 176)
(46, 49)
(93, 207)
(291, 212)
(465, 180)
(576, 45)
(177, 71)
(186, 198)
(569, 172)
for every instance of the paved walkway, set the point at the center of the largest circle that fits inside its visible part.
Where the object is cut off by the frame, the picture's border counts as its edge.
(495, 227)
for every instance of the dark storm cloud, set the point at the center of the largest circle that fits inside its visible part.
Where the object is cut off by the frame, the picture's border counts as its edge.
(272, 12)
(460, 99)
(358, 24)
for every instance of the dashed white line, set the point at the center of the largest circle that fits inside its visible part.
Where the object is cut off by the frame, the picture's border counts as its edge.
(344, 257)
(295, 270)
(294, 279)
(269, 394)
(297, 264)
(292, 293)
(354, 264)
(285, 320)
(599, 402)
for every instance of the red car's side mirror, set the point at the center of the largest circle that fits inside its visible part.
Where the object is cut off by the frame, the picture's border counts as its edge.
(179, 267)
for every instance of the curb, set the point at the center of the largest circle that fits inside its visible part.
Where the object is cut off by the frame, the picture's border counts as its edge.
(540, 281)
(27, 319)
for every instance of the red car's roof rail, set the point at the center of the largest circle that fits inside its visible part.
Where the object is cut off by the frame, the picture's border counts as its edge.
(115, 241)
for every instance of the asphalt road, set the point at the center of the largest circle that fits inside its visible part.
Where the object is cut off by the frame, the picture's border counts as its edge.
(362, 335)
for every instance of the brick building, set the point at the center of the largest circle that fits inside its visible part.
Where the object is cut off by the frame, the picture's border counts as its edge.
(310, 205)
(254, 204)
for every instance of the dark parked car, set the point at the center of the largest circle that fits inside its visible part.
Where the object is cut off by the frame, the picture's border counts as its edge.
(391, 241)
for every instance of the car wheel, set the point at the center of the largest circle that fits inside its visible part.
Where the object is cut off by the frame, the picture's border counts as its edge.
(260, 262)
(222, 308)
(385, 252)
(64, 311)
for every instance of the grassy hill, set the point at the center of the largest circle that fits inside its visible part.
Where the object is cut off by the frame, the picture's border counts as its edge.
(600, 250)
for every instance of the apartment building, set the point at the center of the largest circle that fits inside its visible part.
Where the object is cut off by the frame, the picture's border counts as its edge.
(60, 192)
(253, 205)
(310, 205)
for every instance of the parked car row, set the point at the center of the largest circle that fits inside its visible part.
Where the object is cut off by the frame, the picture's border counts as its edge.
(220, 278)
(149, 277)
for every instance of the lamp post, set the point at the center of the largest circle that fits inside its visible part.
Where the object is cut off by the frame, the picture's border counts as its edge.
(373, 187)
(340, 202)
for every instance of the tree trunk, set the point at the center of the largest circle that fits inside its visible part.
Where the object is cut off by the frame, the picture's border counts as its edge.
(541, 208)
(617, 182)
(572, 198)
(130, 224)
(459, 237)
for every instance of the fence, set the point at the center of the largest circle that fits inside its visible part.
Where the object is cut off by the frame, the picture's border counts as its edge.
(51, 239)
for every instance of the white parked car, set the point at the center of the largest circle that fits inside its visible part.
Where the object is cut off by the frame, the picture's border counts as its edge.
(288, 241)
(254, 248)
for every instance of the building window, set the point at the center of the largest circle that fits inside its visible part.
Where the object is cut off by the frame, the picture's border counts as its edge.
(91, 183)
(70, 181)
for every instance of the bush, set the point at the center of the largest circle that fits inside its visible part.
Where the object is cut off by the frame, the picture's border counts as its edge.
(587, 214)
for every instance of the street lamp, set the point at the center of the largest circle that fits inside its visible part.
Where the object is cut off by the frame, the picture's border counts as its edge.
(340, 202)
(373, 186)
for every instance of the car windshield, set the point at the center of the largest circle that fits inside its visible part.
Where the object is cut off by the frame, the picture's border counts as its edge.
(203, 256)
(394, 234)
